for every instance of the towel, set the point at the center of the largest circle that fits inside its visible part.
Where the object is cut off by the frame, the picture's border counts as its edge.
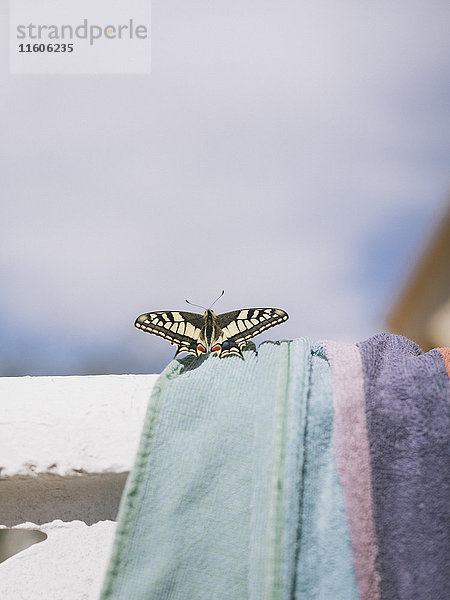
(235, 492)
(407, 406)
(277, 477)
(324, 565)
(352, 453)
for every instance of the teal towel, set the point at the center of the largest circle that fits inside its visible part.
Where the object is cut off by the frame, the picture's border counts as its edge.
(235, 492)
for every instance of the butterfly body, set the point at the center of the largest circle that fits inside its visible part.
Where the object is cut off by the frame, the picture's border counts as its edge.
(226, 334)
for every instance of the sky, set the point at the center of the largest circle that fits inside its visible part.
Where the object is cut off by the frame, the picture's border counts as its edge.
(294, 154)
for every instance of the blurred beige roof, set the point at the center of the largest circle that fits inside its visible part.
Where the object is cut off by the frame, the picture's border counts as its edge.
(422, 309)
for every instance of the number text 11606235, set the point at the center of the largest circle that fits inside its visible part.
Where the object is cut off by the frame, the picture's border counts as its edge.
(45, 47)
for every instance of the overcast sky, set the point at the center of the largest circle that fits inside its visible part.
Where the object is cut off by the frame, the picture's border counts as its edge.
(294, 154)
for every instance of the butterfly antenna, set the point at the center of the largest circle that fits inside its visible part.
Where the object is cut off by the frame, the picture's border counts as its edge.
(218, 298)
(197, 305)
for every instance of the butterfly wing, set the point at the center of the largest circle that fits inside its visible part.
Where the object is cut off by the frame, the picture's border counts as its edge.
(182, 329)
(239, 326)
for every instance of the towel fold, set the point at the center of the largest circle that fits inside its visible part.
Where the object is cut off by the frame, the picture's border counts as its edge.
(283, 476)
(324, 566)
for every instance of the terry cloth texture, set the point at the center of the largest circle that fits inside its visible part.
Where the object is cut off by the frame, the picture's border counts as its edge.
(353, 460)
(299, 473)
(235, 492)
(407, 406)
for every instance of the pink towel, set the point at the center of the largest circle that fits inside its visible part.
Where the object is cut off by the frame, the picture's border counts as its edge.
(353, 461)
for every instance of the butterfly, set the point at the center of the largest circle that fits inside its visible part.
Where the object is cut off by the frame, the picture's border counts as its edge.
(226, 334)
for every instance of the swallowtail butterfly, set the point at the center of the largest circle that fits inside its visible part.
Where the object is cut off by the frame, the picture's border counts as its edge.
(225, 334)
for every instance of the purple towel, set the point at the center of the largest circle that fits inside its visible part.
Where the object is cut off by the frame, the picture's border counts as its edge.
(407, 396)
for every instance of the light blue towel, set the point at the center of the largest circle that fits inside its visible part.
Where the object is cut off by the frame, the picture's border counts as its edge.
(235, 493)
(324, 567)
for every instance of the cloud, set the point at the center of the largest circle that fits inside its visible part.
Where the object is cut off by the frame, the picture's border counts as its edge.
(267, 154)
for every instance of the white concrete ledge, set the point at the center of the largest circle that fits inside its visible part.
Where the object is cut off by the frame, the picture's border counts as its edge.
(71, 425)
(69, 565)
(67, 445)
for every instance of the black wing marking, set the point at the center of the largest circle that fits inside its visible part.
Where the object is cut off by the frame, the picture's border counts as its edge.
(182, 329)
(239, 326)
